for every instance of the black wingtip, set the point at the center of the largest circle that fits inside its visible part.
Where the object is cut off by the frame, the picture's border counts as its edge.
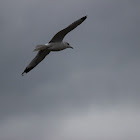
(25, 71)
(22, 73)
(83, 18)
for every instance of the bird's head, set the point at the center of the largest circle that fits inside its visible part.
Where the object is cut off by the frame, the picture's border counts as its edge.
(67, 45)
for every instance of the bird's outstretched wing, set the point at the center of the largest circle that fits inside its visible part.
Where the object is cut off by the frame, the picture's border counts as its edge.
(38, 58)
(61, 34)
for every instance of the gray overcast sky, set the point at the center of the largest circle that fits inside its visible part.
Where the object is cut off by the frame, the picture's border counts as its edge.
(89, 93)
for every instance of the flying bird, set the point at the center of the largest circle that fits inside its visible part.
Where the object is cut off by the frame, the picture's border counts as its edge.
(55, 44)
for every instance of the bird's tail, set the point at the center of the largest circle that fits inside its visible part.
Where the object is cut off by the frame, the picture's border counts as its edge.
(40, 47)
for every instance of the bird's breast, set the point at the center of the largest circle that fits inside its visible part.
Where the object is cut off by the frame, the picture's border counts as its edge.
(56, 47)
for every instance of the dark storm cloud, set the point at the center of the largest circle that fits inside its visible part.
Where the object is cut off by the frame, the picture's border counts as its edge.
(101, 73)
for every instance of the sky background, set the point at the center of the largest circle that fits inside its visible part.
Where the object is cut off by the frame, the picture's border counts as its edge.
(89, 93)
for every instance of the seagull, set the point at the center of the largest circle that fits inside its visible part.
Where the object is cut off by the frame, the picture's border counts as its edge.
(55, 44)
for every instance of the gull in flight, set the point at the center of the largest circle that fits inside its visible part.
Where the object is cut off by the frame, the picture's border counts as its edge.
(56, 44)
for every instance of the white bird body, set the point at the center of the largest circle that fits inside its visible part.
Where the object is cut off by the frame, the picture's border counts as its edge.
(56, 44)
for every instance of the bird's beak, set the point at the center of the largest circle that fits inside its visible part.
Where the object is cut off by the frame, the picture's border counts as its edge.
(70, 47)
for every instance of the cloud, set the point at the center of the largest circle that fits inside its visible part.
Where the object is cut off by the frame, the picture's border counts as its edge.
(71, 89)
(93, 123)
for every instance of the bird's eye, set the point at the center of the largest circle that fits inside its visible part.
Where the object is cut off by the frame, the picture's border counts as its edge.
(68, 44)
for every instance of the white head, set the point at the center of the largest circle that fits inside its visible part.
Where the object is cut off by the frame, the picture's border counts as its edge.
(67, 45)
